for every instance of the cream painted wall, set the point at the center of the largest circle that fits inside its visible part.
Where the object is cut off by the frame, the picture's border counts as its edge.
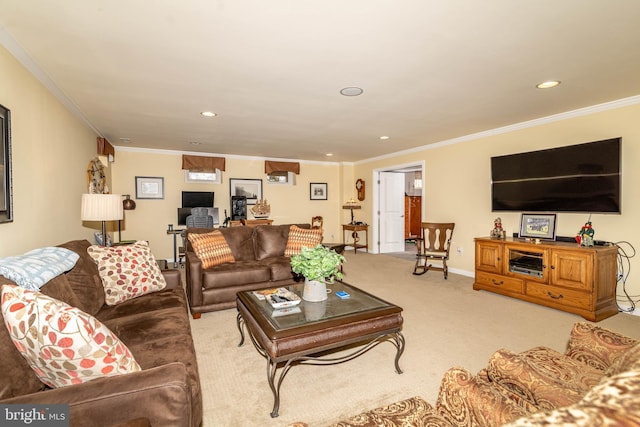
(51, 151)
(289, 203)
(457, 182)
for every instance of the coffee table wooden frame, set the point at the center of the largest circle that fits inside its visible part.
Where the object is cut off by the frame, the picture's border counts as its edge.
(309, 343)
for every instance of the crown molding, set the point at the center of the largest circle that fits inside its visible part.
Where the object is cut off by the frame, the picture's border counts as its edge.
(228, 156)
(606, 106)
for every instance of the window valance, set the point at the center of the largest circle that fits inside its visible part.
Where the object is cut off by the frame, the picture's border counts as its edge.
(202, 163)
(105, 148)
(270, 167)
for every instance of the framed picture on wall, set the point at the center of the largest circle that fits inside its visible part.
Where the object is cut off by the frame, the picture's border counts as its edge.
(249, 188)
(149, 187)
(318, 191)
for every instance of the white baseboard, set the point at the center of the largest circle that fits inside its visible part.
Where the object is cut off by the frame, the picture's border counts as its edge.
(635, 312)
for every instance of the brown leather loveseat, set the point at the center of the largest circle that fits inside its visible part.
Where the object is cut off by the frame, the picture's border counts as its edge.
(154, 327)
(259, 262)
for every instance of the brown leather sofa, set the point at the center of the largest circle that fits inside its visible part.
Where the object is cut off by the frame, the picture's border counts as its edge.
(155, 327)
(596, 382)
(259, 263)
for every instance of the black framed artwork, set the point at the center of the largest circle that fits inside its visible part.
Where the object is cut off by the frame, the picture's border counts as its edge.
(6, 185)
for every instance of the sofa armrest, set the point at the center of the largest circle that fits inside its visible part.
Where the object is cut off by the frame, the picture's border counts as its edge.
(172, 277)
(193, 275)
(161, 394)
(596, 346)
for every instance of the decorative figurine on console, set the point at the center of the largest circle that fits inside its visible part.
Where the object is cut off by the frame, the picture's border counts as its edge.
(498, 232)
(585, 235)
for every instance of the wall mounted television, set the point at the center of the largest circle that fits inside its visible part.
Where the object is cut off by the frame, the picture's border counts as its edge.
(197, 199)
(575, 178)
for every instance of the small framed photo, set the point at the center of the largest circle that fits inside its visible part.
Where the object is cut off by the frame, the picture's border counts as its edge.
(318, 191)
(249, 188)
(149, 187)
(538, 226)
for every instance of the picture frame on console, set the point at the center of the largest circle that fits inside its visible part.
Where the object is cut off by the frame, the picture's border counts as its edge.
(249, 188)
(538, 226)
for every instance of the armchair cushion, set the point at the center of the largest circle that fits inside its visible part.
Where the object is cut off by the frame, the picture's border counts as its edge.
(465, 399)
(610, 403)
(545, 378)
(62, 344)
(301, 237)
(212, 248)
(596, 346)
(127, 271)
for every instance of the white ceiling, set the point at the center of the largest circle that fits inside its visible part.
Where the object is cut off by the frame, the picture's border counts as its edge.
(272, 71)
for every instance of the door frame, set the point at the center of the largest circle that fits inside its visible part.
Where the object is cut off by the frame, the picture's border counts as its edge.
(375, 214)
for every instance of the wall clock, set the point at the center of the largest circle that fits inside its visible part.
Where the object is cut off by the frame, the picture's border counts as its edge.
(96, 177)
(360, 188)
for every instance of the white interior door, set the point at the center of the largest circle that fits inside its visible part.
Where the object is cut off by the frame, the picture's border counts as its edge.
(391, 226)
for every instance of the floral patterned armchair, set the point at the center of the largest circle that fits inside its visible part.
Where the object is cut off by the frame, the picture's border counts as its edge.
(595, 382)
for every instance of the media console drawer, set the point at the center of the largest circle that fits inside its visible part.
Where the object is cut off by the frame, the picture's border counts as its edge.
(557, 295)
(506, 284)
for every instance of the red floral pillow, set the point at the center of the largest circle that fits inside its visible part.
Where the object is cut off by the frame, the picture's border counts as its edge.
(62, 344)
(127, 271)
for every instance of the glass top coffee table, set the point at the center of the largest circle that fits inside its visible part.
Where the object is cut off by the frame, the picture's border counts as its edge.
(306, 333)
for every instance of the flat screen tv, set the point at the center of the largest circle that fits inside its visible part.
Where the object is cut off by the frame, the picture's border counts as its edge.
(197, 199)
(575, 178)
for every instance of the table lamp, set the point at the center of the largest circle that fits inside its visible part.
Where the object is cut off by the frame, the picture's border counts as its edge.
(101, 207)
(351, 204)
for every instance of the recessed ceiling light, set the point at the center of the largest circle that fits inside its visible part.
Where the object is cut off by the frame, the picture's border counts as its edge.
(384, 137)
(351, 91)
(195, 142)
(126, 140)
(208, 114)
(329, 154)
(548, 84)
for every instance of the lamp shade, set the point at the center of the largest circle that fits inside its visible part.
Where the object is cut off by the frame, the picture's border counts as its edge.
(101, 207)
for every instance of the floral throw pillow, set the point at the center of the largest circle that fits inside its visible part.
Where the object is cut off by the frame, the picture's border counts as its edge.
(212, 248)
(302, 237)
(62, 344)
(127, 271)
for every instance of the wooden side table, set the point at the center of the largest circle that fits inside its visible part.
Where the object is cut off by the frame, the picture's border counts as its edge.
(354, 234)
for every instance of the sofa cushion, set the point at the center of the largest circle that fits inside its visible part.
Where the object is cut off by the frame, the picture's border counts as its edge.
(35, 268)
(280, 268)
(271, 240)
(62, 344)
(240, 240)
(127, 271)
(613, 402)
(596, 346)
(212, 248)
(542, 376)
(300, 237)
(84, 279)
(234, 274)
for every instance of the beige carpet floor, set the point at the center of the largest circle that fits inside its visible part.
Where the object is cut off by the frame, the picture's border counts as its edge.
(446, 323)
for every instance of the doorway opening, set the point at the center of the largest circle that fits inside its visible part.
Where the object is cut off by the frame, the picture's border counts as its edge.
(398, 207)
